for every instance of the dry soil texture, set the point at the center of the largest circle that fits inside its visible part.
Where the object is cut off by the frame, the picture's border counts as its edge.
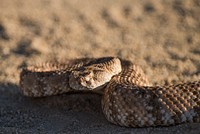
(161, 36)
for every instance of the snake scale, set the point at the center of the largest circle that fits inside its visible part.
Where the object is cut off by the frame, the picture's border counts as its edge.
(128, 99)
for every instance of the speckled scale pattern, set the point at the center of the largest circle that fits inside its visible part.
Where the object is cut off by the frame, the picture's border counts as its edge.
(128, 97)
(131, 74)
(50, 78)
(143, 106)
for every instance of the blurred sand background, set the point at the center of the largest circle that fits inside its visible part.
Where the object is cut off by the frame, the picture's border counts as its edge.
(161, 36)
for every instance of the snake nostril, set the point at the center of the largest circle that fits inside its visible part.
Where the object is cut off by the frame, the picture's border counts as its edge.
(87, 82)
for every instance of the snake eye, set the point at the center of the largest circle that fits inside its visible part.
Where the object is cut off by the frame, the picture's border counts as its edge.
(86, 73)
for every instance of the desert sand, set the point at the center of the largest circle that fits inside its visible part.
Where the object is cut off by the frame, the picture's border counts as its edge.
(163, 37)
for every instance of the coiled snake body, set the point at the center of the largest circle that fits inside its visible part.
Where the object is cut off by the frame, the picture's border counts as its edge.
(128, 99)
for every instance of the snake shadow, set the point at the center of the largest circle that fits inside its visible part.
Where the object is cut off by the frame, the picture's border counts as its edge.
(67, 113)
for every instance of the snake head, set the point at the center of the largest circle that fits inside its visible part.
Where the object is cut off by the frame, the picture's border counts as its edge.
(88, 78)
(95, 75)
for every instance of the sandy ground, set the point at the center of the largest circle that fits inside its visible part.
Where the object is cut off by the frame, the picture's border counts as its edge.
(163, 37)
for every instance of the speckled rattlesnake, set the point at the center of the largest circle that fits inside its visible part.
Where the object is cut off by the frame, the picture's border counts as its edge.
(127, 97)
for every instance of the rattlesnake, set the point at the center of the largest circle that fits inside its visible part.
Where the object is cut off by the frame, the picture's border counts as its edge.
(128, 99)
